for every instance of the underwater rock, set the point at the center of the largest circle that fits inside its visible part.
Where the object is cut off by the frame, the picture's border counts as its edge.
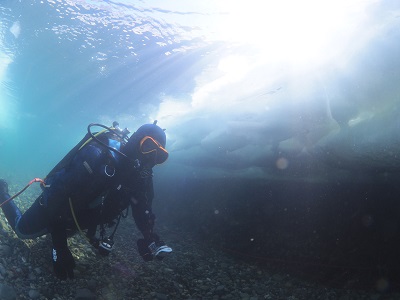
(34, 294)
(84, 294)
(5, 250)
(220, 290)
(2, 270)
(161, 296)
(7, 292)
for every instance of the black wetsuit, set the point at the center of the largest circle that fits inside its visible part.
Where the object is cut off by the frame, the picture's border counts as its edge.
(99, 184)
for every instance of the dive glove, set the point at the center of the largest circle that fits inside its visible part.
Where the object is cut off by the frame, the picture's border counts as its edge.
(150, 248)
(104, 246)
(63, 263)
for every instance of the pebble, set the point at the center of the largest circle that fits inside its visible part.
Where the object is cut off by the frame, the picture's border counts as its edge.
(34, 294)
(5, 250)
(7, 292)
(91, 283)
(160, 296)
(220, 290)
(2, 270)
(38, 271)
(84, 294)
(278, 277)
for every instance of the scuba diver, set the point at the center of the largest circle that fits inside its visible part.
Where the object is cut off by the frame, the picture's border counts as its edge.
(91, 189)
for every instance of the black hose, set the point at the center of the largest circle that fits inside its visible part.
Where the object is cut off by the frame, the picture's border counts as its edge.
(103, 144)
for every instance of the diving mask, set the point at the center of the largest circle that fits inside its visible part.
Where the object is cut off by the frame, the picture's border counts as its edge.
(149, 146)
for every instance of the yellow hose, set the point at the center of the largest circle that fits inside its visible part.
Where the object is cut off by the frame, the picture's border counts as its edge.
(76, 221)
(92, 138)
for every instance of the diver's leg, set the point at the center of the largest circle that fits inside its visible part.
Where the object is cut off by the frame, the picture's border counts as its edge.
(10, 210)
(32, 223)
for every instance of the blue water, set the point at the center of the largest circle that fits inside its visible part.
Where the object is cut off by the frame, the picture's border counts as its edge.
(72, 64)
(301, 96)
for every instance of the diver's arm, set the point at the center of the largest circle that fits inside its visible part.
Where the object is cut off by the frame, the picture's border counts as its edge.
(150, 246)
(141, 203)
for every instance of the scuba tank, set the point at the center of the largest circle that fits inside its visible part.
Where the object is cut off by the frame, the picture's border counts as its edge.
(70, 155)
(121, 133)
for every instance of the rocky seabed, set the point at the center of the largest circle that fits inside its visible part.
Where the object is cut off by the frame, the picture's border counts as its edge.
(193, 271)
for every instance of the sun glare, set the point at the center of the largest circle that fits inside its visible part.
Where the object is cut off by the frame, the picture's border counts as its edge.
(292, 30)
